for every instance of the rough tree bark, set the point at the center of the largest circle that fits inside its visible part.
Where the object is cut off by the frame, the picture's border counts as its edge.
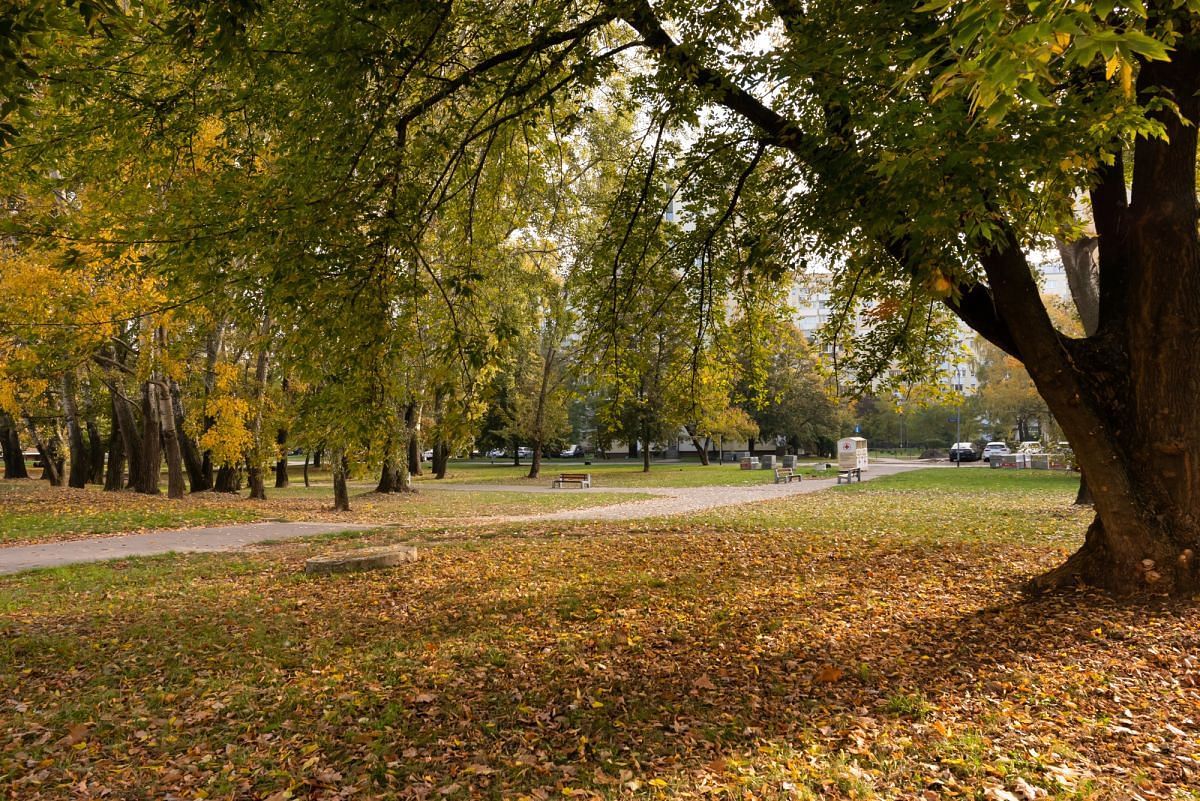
(341, 491)
(393, 476)
(14, 457)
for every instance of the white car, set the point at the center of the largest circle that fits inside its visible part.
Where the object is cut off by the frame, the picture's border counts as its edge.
(995, 449)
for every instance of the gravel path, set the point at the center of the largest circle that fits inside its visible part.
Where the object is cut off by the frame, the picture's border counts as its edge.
(668, 501)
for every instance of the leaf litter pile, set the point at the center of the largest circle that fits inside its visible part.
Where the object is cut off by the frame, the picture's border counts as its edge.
(765, 657)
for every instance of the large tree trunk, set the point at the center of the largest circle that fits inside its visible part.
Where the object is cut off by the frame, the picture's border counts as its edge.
(341, 490)
(14, 457)
(229, 479)
(80, 458)
(1126, 397)
(394, 476)
(646, 454)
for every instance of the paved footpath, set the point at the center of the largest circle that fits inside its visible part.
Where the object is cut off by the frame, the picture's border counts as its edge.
(667, 501)
(218, 538)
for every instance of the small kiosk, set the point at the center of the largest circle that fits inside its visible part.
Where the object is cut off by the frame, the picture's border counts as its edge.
(852, 453)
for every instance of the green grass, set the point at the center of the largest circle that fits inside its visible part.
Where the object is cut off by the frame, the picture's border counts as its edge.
(621, 474)
(933, 505)
(57, 524)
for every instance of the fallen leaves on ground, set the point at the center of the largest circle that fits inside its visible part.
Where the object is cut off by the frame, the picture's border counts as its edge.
(604, 661)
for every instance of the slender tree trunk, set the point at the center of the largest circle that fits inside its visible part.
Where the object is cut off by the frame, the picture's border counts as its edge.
(539, 413)
(214, 345)
(646, 453)
(317, 456)
(254, 460)
(114, 471)
(199, 480)
(341, 491)
(412, 422)
(95, 453)
(50, 468)
(306, 454)
(151, 441)
(131, 438)
(170, 441)
(80, 462)
(701, 447)
(14, 457)
(441, 458)
(281, 466)
(1084, 496)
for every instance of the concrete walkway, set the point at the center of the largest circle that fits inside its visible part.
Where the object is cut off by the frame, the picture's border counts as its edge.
(667, 501)
(219, 538)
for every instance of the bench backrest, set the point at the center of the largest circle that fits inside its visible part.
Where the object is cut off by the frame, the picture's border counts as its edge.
(574, 476)
(783, 471)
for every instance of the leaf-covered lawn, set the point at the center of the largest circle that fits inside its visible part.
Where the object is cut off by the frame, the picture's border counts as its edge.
(31, 511)
(763, 657)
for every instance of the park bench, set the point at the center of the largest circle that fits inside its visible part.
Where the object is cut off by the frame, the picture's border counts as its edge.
(785, 475)
(849, 474)
(584, 480)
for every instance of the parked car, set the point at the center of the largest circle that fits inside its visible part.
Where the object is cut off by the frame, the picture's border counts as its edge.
(571, 451)
(995, 449)
(963, 452)
(1030, 446)
(524, 452)
(427, 456)
(497, 453)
